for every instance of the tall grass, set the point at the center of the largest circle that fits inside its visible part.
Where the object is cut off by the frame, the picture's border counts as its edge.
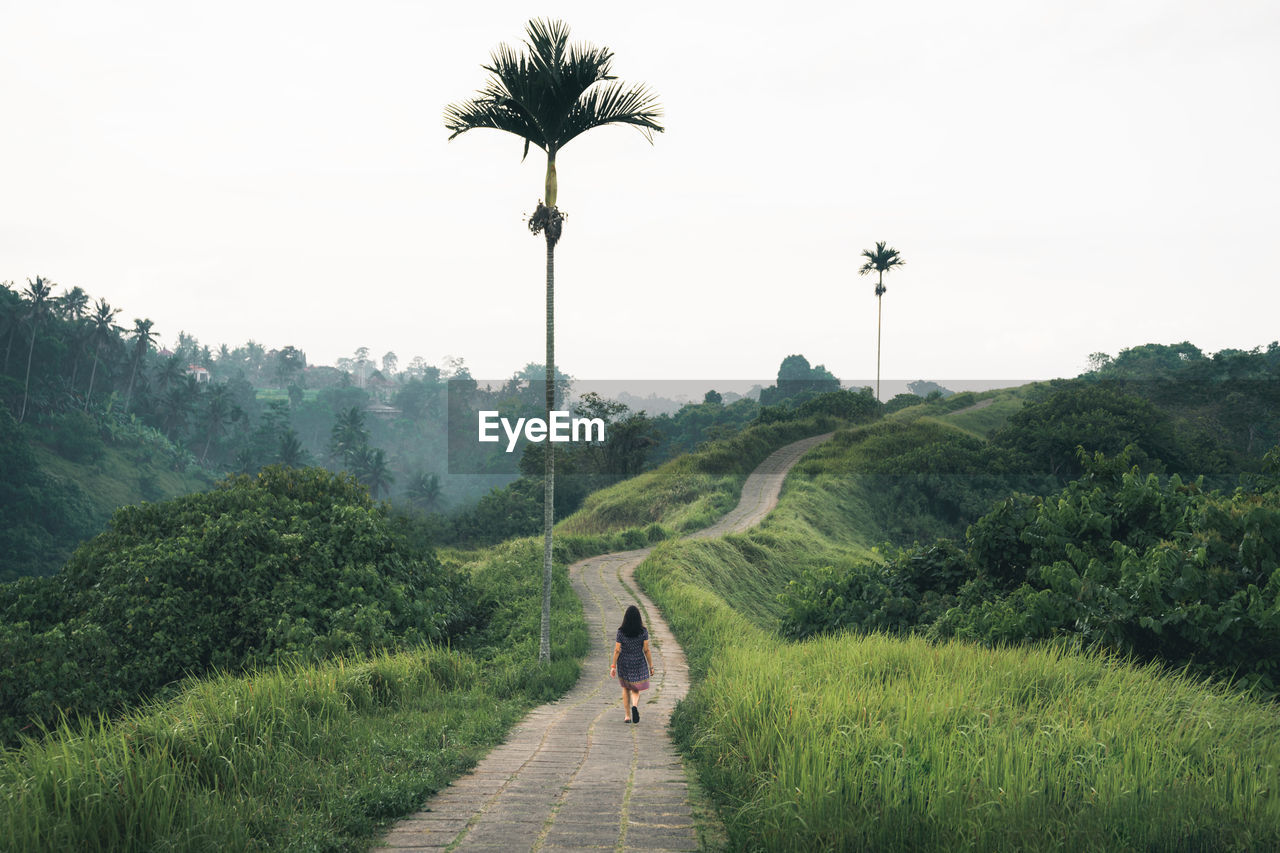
(302, 757)
(298, 757)
(873, 743)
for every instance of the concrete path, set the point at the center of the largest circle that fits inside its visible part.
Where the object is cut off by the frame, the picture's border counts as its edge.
(572, 775)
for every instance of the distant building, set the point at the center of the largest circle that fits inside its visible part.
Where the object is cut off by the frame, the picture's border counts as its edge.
(381, 410)
(200, 373)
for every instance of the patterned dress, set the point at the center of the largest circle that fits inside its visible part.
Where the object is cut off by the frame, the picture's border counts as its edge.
(633, 668)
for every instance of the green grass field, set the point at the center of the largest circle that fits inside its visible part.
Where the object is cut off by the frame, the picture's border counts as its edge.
(842, 742)
(876, 743)
(323, 756)
(302, 757)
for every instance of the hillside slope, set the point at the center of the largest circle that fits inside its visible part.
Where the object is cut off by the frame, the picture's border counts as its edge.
(871, 742)
(60, 484)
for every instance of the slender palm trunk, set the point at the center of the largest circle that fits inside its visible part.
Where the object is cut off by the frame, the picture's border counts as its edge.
(92, 374)
(128, 395)
(879, 309)
(26, 386)
(549, 469)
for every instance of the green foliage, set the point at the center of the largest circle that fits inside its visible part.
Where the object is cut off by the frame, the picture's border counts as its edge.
(1048, 431)
(798, 381)
(695, 424)
(41, 515)
(290, 563)
(301, 757)
(868, 742)
(1154, 568)
(917, 583)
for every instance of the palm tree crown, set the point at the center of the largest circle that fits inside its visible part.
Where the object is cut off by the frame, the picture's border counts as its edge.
(549, 95)
(881, 260)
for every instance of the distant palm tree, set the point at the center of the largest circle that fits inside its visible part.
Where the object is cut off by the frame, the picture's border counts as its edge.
(171, 372)
(10, 312)
(292, 453)
(348, 437)
(372, 470)
(219, 411)
(424, 491)
(143, 339)
(73, 303)
(102, 330)
(38, 296)
(880, 261)
(547, 96)
(71, 306)
(177, 405)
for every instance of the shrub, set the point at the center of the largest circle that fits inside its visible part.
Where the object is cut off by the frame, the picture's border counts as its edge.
(288, 564)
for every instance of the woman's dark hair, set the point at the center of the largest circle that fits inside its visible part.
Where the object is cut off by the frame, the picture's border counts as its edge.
(632, 626)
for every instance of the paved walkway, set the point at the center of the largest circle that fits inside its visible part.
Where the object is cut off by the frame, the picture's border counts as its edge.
(572, 775)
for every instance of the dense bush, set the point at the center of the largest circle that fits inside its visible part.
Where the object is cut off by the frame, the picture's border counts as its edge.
(1157, 568)
(288, 564)
(1098, 418)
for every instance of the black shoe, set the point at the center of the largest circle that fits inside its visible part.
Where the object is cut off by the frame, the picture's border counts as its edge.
(635, 714)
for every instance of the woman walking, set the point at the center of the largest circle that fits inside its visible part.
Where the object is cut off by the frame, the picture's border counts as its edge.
(632, 663)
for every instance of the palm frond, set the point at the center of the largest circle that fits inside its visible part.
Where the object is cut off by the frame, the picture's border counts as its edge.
(614, 103)
(549, 93)
(547, 40)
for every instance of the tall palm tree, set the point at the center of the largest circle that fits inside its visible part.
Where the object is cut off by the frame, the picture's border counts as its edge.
(547, 95)
(101, 331)
(143, 340)
(38, 297)
(71, 307)
(72, 304)
(881, 261)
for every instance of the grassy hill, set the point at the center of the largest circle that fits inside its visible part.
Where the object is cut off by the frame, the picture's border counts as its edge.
(978, 413)
(871, 742)
(116, 479)
(839, 742)
(321, 755)
(60, 482)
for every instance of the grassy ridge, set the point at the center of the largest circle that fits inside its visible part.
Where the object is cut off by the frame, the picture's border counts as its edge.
(321, 756)
(301, 757)
(689, 492)
(971, 410)
(869, 742)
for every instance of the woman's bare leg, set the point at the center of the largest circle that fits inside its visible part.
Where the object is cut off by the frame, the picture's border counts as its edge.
(626, 704)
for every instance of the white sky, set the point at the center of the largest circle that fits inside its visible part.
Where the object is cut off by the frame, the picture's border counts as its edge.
(1061, 178)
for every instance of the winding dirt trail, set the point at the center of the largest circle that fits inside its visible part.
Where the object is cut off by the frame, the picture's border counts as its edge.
(571, 775)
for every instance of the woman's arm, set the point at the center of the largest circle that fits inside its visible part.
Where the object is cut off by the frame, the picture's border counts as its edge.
(648, 657)
(613, 664)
